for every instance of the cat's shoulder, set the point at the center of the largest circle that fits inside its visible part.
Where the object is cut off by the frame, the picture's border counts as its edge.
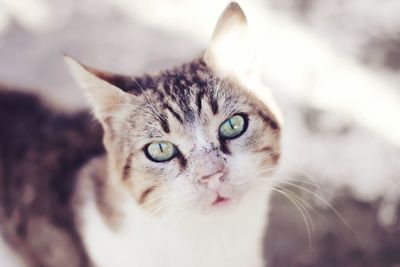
(93, 190)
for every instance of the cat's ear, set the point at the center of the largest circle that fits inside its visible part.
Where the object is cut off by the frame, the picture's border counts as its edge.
(102, 95)
(229, 51)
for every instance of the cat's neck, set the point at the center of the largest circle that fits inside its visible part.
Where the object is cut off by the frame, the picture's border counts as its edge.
(96, 185)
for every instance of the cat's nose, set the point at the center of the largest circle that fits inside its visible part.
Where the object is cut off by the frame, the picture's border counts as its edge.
(209, 169)
(214, 178)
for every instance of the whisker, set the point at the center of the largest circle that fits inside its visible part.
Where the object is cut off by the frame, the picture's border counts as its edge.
(327, 203)
(318, 197)
(299, 207)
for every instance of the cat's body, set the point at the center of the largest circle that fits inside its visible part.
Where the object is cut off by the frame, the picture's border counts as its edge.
(186, 177)
(41, 151)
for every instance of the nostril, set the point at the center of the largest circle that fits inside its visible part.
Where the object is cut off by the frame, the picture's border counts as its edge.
(217, 176)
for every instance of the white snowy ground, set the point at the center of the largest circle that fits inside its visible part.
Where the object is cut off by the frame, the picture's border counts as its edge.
(327, 63)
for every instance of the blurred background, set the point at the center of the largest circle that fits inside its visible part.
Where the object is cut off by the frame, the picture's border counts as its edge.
(333, 66)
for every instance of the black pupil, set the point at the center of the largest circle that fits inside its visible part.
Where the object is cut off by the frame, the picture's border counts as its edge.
(230, 123)
(160, 146)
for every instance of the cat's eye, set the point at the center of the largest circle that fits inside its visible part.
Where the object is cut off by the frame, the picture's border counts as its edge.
(233, 127)
(160, 151)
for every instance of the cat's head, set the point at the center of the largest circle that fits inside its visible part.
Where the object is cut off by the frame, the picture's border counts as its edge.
(193, 136)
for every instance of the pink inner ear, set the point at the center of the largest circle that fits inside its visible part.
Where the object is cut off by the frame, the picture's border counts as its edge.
(121, 81)
(126, 83)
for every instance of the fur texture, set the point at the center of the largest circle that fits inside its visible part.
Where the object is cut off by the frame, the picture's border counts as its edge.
(40, 153)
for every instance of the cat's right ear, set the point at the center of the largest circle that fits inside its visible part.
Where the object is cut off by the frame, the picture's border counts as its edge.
(230, 51)
(103, 97)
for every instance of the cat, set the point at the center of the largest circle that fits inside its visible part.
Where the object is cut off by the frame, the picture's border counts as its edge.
(185, 177)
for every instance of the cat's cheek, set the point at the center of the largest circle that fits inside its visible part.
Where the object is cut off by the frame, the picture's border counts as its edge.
(181, 193)
(263, 143)
(249, 170)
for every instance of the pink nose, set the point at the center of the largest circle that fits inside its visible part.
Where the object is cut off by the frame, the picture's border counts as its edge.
(213, 178)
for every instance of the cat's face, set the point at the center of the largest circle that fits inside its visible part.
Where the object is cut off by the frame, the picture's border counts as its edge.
(192, 138)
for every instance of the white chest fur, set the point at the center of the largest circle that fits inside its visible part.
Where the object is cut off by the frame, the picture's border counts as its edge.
(231, 238)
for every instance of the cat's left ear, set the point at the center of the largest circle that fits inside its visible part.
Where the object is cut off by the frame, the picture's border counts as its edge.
(230, 51)
(99, 88)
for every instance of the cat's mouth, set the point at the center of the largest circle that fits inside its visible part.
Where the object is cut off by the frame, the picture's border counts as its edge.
(220, 201)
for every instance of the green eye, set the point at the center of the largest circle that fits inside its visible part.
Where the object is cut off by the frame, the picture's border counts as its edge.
(233, 127)
(160, 151)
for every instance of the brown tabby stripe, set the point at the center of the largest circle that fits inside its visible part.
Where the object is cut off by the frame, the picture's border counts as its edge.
(265, 149)
(224, 146)
(164, 124)
(214, 104)
(198, 100)
(182, 160)
(127, 167)
(145, 194)
(268, 120)
(173, 112)
(275, 157)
